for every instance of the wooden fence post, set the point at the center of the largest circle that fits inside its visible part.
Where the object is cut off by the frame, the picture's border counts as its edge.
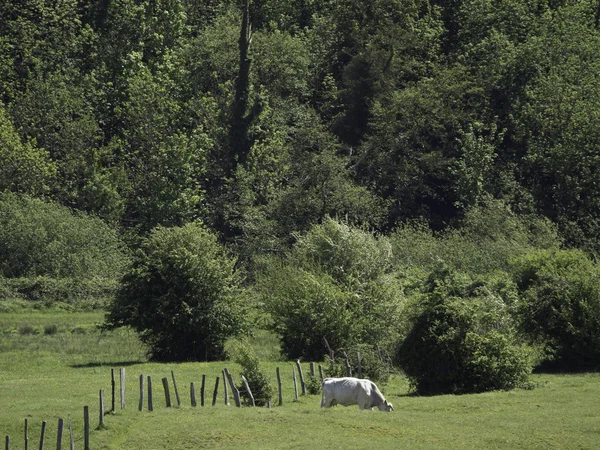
(150, 405)
(71, 437)
(247, 386)
(175, 388)
(26, 435)
(348, 368)
(165, 383)
(112, 385)
(42, 435)
(359, 365)
(193, 393)
(312, 369)
(7, 445)
(279, 387)
(295, 383)
(215, 392)
(86, 428)
(225, 387)
(202, 390)
(122, 379)
(101, 413)
(141, 404)
(302, 383)
(321, 372)
(234, 389)
(59, 434)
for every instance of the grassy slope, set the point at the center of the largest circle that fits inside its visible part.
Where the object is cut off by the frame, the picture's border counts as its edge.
(44, 377)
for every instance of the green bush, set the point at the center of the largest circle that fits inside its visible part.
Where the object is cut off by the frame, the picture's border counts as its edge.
(48, 240)
(462, 338)
(259, 384)
(560, 307)
(336, 283)
(182, 295)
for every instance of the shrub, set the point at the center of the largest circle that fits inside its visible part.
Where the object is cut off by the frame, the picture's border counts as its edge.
(462, 339)
(259, 384)
(336, 282)
(560, 307)
(50, 329)
(182, 295)
(48, 240)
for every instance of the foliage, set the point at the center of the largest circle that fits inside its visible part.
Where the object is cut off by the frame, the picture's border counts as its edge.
(258, 381)
(462, 338)
(49, 240)
(485, 240)
(181, 295)
(335, 283)
(25, 168)
(560, 306)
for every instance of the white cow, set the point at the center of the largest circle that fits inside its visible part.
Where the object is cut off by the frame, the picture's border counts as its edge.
(353, 391)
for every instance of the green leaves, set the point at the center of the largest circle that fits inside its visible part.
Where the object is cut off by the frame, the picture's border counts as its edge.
(182, 296)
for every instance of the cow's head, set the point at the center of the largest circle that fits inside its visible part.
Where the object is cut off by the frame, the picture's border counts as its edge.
(386, 406)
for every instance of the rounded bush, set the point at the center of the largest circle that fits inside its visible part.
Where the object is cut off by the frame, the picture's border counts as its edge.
(182, 295)
(560, 307)
(462, 339)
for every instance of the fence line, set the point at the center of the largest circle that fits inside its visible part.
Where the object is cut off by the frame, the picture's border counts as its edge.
(228, 383)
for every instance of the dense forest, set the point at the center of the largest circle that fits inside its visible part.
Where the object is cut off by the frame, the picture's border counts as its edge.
(468, 130)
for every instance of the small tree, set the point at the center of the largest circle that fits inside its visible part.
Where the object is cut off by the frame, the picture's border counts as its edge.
(259, 384)
(462, 339)
(181, 295)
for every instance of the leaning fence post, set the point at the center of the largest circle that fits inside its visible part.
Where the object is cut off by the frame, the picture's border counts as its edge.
(247, 386)
(234, 389)
(42, 435)
(175, 388)
(141, 404)
(101, 414)
(302, 383)
(216, 391)
(122, 379)
(59, 434)
(86, 428)
(225, 387)
(165, 383)
(202, 390)
(295, 383)
(279, 387)
(150, 405)
(193, 393)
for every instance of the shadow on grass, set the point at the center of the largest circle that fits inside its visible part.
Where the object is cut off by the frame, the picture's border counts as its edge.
(107, 364)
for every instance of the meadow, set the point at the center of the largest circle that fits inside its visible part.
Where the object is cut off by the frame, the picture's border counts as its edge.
(54, 363)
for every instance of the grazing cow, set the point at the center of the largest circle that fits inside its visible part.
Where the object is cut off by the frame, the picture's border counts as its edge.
(353, 391)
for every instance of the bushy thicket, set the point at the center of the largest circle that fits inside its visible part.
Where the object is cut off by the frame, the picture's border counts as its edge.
(182, 295)
(560, 307)
(46, 239)
(49, 253)
(462, 337)
(336, 283)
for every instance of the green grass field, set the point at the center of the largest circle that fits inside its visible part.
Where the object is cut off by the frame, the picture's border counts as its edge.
(53, 364)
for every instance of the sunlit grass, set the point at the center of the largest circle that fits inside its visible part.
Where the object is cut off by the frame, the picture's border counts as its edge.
(44, 377)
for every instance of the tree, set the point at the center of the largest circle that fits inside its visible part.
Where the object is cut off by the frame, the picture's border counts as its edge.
(25, 168)
(181, 295)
